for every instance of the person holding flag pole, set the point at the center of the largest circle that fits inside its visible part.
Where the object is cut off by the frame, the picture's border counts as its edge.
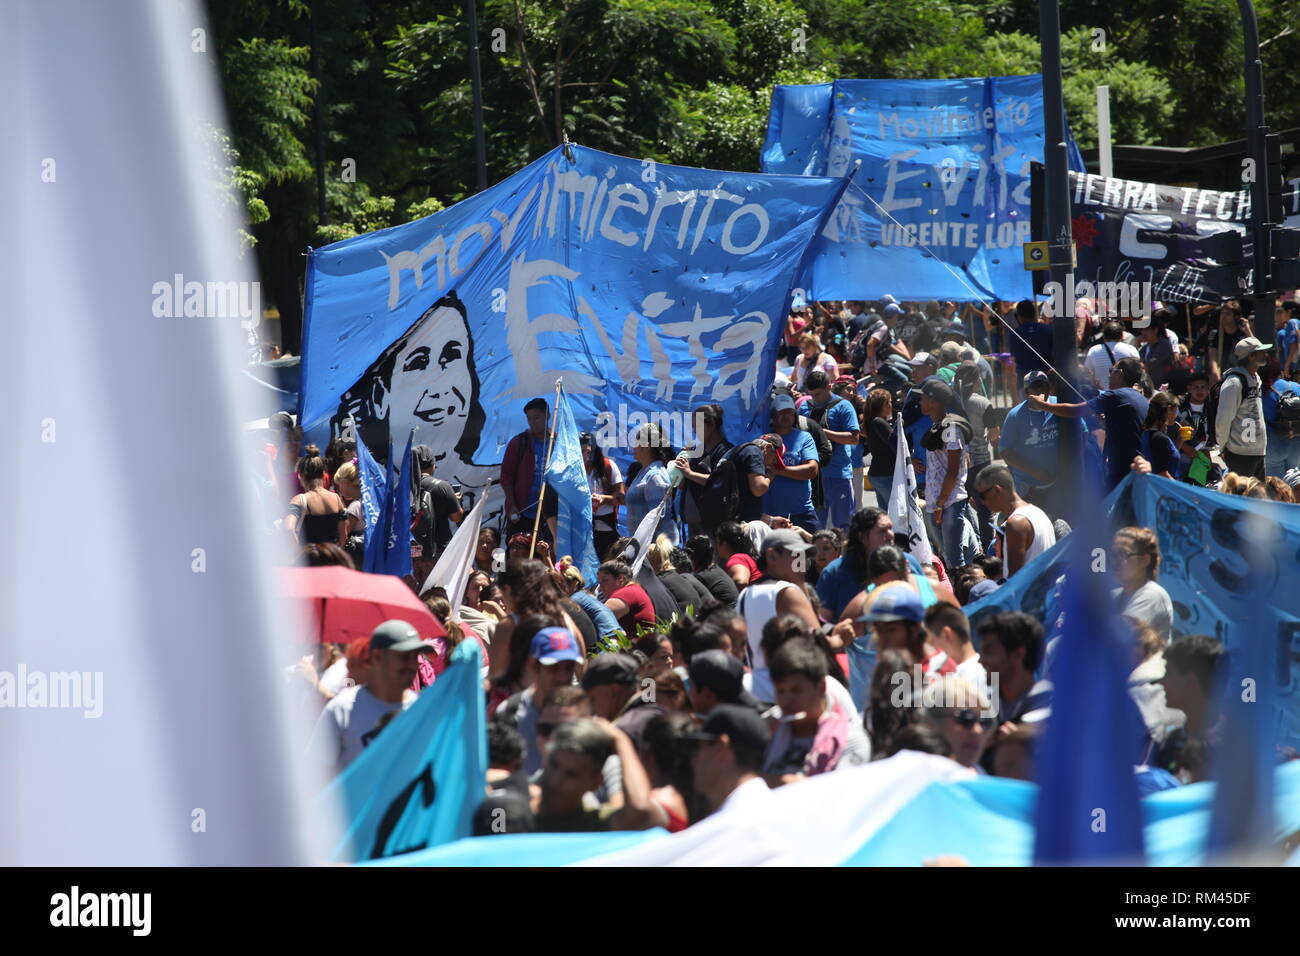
(550, 445)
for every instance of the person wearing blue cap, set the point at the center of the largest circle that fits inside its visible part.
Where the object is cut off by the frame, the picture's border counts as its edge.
(793, 464)
(553, 657)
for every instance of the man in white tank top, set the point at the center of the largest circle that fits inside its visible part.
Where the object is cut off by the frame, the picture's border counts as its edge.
(1028, 530)
(784, 557)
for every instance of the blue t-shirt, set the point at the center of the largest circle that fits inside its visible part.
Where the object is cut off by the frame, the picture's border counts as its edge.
(1286, 337)
(1123, 411)
(601, 616)
(1280, 387)
(841, 416)
(789, 496)
(842, 580)
(1034, 436)
(647, 491)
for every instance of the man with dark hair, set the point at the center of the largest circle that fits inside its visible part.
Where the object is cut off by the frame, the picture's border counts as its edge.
(437, 506)
(1031, 342)
(839, 421)
(523, 469)
(1194, 666)
(1102, 356)
(1157, 351)
(949, 631)
(810, 740)
(791, 458)
(746, 461)
(718, 677)
(1030, 444)
(574, 757)
(727, 764)
(553, 658)
(610, 680)
(715, 580)
(1011, 645)
(1122, 408)
(1027, 529)
(894, 610)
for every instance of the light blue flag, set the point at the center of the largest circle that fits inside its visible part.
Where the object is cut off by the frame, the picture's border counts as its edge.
(1088, 807)
(419, 782)
(567, 475)
(374, 491)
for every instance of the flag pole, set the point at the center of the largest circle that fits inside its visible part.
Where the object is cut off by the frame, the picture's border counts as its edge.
(550, 446)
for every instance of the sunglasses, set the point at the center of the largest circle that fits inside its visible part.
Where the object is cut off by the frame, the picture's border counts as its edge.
(969, 718)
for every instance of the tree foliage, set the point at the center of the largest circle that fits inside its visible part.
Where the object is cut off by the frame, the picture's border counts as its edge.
(682, 81)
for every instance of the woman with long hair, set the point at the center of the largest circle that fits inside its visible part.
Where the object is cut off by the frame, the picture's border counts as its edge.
(882, 443)
(811, 356)
(1155, 444)
(653, 453)
(317, 515)
(1136, 561)
(527, 588)
(607, 492)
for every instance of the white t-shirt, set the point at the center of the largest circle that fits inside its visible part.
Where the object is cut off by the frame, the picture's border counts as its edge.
(1098, 362)
(336, 677)
(598, 487)
(973, 673)
(346, 726)
(1150, 604)
(936, 468)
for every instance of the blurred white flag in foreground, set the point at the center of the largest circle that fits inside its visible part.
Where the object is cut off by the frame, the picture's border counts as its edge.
(145, 716)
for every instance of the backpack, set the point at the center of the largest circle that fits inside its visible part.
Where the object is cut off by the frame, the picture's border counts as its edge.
(423, 528)
(813, 426)
(1205, 431)
(719, 497)
(857, 354)
(1288, 413)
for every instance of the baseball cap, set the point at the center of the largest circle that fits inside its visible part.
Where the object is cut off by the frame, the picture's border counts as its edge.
(782, 402)
(1249, 346)
(722, 673)
(398, 636)
(742, 724)
(896, 604)
(846, 380)
(893, 309)
(610, 669)
(551, 645)
(1036, 378)
(786, 540)
(922, 358)
(888, 299)
(940, 391)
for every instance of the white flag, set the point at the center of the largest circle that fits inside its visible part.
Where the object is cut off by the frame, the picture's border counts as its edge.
(645, 533)
(457, 559)
(904, 509)
(159, 725)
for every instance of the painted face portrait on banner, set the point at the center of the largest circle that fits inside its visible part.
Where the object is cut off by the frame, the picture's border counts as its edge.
(426, 380)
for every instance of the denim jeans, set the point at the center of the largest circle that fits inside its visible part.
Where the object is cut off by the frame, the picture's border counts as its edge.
(958, 539)
(883, 486)
(1283, 453)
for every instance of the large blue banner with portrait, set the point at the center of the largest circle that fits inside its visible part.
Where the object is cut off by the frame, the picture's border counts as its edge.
(1231, 566)
(940, 203)
(649, 288)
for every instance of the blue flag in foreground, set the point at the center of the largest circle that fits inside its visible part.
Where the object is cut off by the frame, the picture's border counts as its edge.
(566, 473)
(418, 784)
(1088, 807)
(397, 516)
(374, 489)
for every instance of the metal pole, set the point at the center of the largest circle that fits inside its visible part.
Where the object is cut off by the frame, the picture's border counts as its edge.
(476, 82)
(322, 210)
(1056, 192)
(1258, 152)
(1103, 132)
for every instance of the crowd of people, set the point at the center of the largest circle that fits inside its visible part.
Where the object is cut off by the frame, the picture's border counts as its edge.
(721, 666)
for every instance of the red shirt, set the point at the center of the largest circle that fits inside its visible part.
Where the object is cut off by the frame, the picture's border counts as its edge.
(640, 609)
(748, 562)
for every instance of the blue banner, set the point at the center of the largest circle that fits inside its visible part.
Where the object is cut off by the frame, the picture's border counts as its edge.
(419, 782)
(651, 288)
(1231, 566)
(940, 205)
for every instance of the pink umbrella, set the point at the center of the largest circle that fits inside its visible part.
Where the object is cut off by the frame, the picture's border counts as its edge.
(348, 604)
